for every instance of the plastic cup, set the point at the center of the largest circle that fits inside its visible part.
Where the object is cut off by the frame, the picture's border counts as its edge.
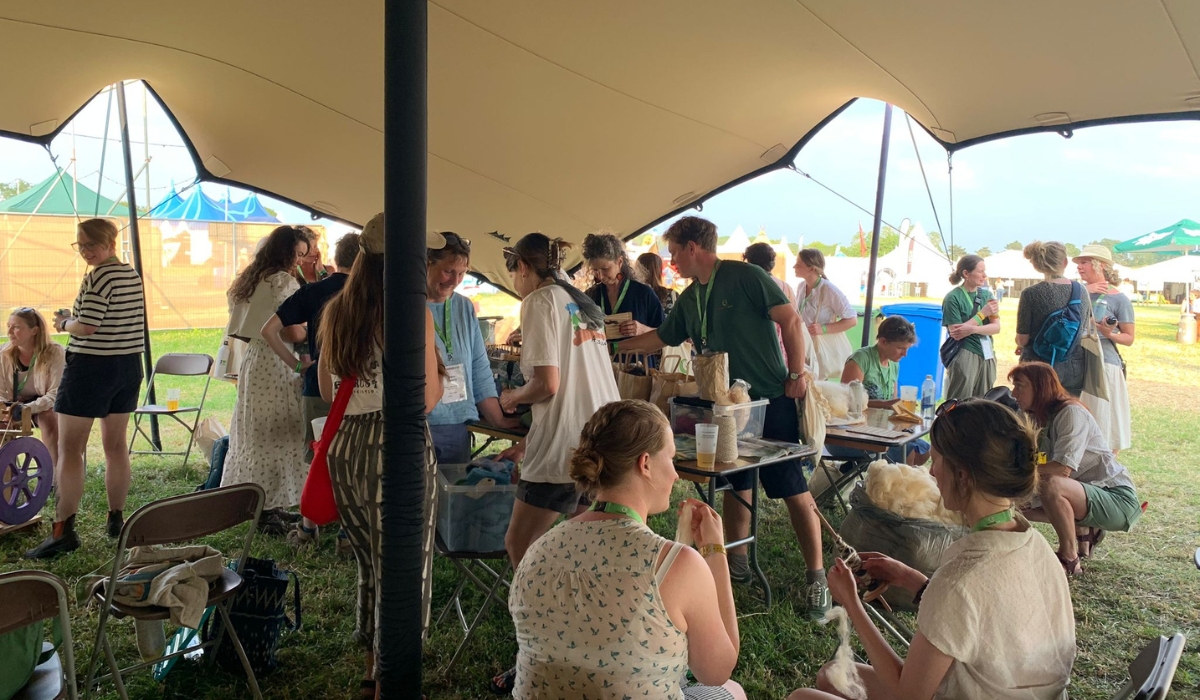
(908, 397)
(172, 399)
(706, 445)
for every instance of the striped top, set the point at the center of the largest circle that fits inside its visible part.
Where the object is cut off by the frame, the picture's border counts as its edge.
(110, 298)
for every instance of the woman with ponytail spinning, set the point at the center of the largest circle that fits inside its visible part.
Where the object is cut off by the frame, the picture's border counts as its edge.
(604, 607)
(995, 619)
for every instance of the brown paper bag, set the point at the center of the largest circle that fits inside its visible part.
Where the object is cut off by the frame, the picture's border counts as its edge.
(712, 374)
(632, 380)
(665, 384)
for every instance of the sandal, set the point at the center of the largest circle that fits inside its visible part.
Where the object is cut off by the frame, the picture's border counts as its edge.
(300, 536)
(1072, 567)
(1092, 539)
(503, 684)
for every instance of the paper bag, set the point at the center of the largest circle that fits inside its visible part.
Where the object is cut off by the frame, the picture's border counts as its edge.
(712, 375)
(1095, 381)
(209, 431)
(632, 380)
(665, 384)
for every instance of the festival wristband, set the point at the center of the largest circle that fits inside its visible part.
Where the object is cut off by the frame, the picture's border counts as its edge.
(711, 549)
(299, 366)
(824, 329)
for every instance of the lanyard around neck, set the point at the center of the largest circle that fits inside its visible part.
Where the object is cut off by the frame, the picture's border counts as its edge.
(620, 297)
(617, 509)
(702, 306)
(29, 371)
(809, 292)
(1004, 516)
(447, 329)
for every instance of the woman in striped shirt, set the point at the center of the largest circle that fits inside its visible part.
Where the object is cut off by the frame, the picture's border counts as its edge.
(102, 380)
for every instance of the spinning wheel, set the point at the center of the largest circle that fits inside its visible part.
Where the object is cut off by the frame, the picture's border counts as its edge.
(26, 477)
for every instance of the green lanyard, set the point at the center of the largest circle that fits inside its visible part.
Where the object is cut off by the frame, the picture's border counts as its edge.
(29, 371)
(806, 297)
(1004, 516)
(620, 297)
(447, 329)
(702, 307)
(617, 509)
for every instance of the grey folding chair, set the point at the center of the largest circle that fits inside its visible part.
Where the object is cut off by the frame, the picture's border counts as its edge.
(175, 364)
(488, 580)
(172, 521)
(27, 598)
(1151, 673)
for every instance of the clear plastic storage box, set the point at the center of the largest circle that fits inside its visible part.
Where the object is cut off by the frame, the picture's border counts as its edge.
(687, 411)
(472, 517)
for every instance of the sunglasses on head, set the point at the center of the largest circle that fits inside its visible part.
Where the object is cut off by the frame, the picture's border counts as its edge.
(510, 259)
(946, 407)
(452, 237)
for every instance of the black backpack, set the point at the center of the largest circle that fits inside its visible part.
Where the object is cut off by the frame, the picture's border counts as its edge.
(257, 614)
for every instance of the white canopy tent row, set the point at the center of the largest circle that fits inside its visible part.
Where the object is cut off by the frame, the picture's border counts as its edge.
(565, 118)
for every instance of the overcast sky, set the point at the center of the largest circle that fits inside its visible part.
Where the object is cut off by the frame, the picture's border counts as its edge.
(1105, 182)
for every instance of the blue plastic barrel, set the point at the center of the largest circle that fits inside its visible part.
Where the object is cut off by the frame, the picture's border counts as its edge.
(923, 358)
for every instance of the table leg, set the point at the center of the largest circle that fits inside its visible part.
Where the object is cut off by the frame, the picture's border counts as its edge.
(753, 548)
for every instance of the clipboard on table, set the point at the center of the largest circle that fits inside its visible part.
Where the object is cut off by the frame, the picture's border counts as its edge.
(612, 325)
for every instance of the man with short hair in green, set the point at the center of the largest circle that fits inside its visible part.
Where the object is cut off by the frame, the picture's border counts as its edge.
(733, 307)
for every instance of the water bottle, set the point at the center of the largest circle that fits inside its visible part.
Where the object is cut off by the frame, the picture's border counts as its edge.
(928, 397)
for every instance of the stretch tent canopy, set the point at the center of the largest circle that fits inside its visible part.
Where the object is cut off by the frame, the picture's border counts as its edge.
(569, 117)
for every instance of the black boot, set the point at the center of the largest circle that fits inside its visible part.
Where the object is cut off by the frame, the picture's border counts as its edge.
(116, 521)
(62, 539)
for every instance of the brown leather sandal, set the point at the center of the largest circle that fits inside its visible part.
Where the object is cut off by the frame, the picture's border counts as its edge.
(1072, 567)
(1092, 539)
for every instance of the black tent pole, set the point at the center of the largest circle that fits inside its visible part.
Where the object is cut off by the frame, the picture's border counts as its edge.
(883, 158)
(404, 188)
(135, 243)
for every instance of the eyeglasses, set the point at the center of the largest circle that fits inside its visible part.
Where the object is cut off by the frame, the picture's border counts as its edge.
(451, 237)
(946, 407)
(80, 247)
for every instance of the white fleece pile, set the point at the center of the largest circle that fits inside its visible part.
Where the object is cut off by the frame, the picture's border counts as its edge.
(909, 492)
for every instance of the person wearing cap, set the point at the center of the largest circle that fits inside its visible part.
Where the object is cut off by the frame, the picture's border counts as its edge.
(1113, 312)
(470, 390)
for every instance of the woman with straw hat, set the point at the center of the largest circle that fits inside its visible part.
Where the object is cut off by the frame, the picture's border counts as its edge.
(1114, 322)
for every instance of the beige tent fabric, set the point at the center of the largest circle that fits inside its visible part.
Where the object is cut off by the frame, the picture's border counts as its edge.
(570, 117)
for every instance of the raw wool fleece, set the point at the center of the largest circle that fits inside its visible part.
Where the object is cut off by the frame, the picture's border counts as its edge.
(835, 398)
(909, 492)
(843, 672)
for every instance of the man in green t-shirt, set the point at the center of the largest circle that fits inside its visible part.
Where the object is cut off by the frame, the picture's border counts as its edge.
(734, 307)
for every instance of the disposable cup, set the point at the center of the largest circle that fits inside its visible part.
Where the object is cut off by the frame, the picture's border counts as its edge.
(908, 397)
(172, 399)
(706, 445)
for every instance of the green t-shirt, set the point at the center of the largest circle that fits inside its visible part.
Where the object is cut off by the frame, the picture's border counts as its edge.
(879, 381)
(739, 323)
(956, 308)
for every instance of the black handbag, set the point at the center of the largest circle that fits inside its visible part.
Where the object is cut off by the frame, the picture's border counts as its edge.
(258, 616)
(951, 347)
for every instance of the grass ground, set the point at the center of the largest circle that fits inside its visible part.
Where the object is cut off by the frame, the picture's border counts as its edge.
(1139, 585)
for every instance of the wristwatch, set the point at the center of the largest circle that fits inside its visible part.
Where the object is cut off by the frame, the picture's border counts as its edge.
(793, 376)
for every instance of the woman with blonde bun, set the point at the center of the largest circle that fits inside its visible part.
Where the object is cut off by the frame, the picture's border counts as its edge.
(606, 608)
(1044, 298)
(971, 316)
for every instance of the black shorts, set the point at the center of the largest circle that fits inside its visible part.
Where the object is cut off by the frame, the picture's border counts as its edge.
(562, 498)
(782, 479)
(94, 386)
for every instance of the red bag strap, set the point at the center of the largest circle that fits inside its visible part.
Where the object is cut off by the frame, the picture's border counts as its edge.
(338, 409)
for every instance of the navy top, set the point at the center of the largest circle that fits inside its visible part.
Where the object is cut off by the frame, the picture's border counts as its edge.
(640, 300)
(305, 307)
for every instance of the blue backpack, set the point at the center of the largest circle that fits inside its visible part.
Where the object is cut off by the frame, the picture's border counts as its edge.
(1060, 330)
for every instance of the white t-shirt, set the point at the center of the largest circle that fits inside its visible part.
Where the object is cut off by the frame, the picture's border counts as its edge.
(826, 304)
(554, 334)
(1000, 606)
(367, 396)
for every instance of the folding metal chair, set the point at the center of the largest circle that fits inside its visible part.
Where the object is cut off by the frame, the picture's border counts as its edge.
(175, 364)
(1151, 673)
(27, 598)
(172, 521)
(488, 580)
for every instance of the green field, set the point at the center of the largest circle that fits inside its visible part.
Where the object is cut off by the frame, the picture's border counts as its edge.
(1137, 586)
